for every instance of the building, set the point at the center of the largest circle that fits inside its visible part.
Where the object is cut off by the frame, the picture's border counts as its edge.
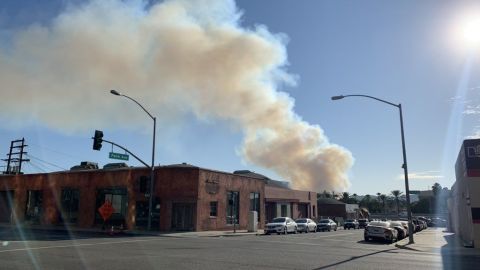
(464, 205)
(282, 201)
(186, 198)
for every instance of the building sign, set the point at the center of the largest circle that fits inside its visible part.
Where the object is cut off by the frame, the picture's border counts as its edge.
(472, 157)
(212, 186)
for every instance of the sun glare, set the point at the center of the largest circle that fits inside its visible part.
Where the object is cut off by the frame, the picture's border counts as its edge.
(468, 31)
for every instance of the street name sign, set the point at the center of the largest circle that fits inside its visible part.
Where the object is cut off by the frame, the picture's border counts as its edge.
(118, 156)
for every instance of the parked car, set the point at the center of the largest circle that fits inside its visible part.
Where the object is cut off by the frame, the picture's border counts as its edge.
(281, 225)
(326, 225)
(438, 222)
(416, 225)
(405, 225)
(381, 230)
(362, 223)
(401, 231)
(350, 223)
(306, 225)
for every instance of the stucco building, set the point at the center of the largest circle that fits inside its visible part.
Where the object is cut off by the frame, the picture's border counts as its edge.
(464, 205)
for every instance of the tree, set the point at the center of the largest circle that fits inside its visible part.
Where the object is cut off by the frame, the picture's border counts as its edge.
(345, 197)
(436, 189)
(396, 194)
(383, 197)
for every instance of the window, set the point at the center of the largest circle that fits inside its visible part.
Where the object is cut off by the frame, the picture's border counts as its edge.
(33, 211)
(255, 203)
(314, 213)
(284, 210)
(213, 209)
(233, 207)
(70, 201)
(118, 197)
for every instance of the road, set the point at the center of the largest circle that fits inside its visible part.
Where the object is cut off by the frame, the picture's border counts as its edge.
(343, 249)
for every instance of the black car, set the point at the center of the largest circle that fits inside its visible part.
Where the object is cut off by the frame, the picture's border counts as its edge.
(362, 223)
(351, 224)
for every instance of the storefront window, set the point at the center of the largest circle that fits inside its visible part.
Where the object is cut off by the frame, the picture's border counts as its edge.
(233, 207)
(34, 206)
(255, 203)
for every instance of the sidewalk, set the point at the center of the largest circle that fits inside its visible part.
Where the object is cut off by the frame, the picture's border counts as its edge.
(436, 240)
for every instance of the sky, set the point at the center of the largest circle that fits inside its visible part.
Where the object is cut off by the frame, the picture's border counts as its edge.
(246, 85)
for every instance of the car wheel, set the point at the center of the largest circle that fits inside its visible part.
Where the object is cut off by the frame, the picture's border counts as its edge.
(267, 233)
(296, 230)
(329, 229)
(335, 229)
(315, 230)
(306, 230)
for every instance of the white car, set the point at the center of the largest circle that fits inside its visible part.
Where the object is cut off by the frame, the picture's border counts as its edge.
(281, 225)
(306, 225)
(382, 230)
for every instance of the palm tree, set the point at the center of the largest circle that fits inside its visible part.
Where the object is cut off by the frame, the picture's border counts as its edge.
(397, 193)
(383, 197)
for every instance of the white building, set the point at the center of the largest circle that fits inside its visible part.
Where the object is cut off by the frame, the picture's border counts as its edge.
(464, 206)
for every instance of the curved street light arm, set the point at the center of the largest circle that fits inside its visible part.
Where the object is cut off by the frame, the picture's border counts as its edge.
(138, 105)
(381, 100)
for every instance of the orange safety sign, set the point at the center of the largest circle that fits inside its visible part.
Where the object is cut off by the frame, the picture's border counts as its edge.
(106, 210)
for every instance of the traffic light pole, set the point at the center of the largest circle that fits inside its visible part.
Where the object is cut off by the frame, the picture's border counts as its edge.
(126, 150)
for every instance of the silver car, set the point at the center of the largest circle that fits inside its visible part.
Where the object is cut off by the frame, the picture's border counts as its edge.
(306, 225)
(382, 230)
(281, 225)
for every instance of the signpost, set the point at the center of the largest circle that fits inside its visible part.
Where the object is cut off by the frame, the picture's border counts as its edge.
(106, 210)
(118, 156)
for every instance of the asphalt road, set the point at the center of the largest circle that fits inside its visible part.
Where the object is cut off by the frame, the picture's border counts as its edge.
(322, 250)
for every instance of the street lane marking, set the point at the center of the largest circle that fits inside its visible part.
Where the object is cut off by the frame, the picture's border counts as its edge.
(81, 245)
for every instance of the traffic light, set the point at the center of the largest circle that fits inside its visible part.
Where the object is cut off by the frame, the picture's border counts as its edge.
(97, 140)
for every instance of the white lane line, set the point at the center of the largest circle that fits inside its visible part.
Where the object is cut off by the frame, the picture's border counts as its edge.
(81, 245)
(333, 235)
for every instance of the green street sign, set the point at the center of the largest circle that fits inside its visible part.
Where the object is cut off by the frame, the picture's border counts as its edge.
(118, 156)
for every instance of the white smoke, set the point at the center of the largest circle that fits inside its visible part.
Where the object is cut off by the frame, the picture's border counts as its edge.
(174, 57)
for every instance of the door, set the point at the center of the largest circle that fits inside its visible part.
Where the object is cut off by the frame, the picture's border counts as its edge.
(183, 216)
(6, 206)
(271, 210)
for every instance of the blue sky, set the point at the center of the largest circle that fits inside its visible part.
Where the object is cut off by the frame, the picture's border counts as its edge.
(405, 52)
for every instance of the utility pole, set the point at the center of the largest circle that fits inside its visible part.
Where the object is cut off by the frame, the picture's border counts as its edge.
(15, 157)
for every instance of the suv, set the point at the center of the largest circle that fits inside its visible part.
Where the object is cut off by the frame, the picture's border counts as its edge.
(350, 223)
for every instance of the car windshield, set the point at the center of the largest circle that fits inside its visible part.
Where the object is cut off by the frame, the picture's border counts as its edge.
(324, 221)
(396, 223)
(379, 224)
(301, 221)
(278, 220)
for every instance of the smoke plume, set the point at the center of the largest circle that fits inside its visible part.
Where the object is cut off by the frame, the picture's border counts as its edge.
(175, 57)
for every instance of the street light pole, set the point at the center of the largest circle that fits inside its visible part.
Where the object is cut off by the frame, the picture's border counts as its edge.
(152, 167)
(404, 166)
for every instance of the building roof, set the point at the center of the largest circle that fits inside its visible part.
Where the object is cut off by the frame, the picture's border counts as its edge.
(328, 201)
(251, 174)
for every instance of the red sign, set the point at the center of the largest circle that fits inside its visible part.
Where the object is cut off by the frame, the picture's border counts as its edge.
(106, 210)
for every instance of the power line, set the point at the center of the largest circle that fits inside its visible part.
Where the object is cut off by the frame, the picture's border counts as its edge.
(36, 166)
(46, 162)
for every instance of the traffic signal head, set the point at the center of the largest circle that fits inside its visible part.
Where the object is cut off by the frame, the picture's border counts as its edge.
(97, 140)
